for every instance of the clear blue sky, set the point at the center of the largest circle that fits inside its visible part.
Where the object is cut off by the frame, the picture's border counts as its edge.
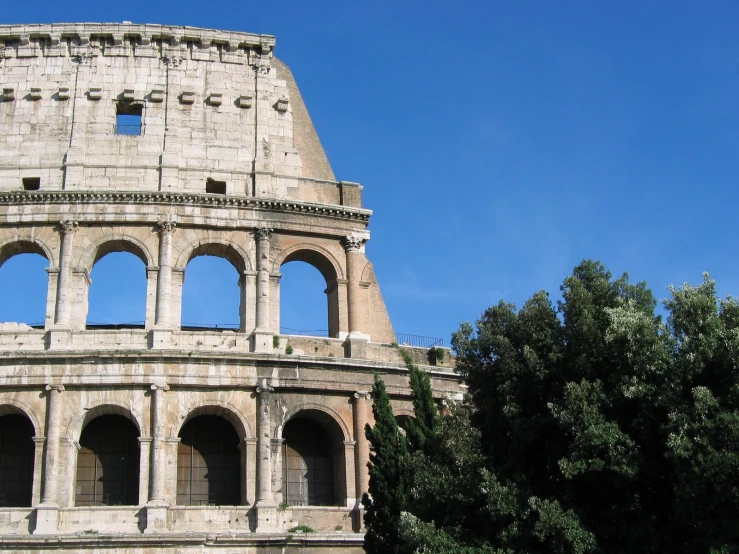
(500, 143)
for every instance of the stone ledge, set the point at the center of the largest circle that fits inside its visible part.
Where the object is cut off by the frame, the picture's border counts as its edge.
(183, 199)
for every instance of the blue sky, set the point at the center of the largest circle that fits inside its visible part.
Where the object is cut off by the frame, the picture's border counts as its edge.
(500, 143)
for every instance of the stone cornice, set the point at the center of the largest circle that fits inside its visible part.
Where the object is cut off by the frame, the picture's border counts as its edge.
(183, 199)
(146, 34)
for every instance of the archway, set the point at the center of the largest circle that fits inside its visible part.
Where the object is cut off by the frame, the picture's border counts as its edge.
(16, 460)
(303, 301)
(313, 464)
(24, 279)
(208, 463)
(211, 294)
(117, 294)
(309, 304)
(108, 463)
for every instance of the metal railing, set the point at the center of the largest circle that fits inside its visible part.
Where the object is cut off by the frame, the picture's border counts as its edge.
(404, 339)
(308, 332)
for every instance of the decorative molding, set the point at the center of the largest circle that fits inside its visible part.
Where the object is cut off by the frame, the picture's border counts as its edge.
(181, 199)
(166, 228)
(353, 244)
(263, 233)
(68, 226)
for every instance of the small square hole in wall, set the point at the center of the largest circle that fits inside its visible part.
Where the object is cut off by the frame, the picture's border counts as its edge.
(215, 187)
(31, 183)
(128, 119)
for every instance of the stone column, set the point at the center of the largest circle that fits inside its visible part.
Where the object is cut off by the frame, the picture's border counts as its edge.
(38, 468)
(251, 470)
(164, 277)
(266, 508)
(48, 511)
(263, 334)
(157, 446)
(64, 300)
(161, 334)
(156, 508)
(144, 468)
(356, 342)
(361, 450)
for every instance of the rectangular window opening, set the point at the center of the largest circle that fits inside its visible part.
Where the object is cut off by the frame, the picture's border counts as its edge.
(31, 183)
(215, 187)
(128, 119)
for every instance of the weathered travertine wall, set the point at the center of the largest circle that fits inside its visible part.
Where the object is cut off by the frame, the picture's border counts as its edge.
(215, 106)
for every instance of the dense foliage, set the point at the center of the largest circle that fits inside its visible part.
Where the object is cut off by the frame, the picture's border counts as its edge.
(592, 426)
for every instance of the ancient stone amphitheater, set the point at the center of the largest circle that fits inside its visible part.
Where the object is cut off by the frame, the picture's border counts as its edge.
(171, 143)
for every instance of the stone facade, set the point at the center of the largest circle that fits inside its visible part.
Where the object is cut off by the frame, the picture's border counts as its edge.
(225, 162)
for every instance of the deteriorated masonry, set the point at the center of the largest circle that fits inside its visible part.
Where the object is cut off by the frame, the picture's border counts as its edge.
(171, 143)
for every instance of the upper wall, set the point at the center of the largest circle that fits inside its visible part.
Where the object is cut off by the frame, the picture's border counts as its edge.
(214, 106)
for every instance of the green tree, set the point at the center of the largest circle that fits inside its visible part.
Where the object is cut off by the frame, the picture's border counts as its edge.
(422, 430)
(591, 426)
(388, 476)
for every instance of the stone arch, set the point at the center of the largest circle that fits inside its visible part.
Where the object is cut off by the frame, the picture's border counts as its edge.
(31, 245)
(211, 437)
(226, 411)
(13, 406)
(336, 422)
(314, 457)
(329, 267)
(213, 247)
(108, 460)
(319, 257)
(117, 243)
(77, 424)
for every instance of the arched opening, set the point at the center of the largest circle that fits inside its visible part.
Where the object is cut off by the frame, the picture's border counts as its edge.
(108, 463)
(117, 294)
(309, 294)
(211, 294)
(208, 463)
(25, 281)
(313, 461)
(303, 301)
(403, 422)
(16, 460)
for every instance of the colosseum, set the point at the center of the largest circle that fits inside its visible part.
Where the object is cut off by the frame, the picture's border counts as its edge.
(160, 437)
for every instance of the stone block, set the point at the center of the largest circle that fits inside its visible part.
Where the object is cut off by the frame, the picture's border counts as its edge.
(47, 520)
(215, 99)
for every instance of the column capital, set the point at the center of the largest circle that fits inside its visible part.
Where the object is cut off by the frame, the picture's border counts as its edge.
(166, 227)
(353, 243)
(58, 388)
(39, 440)
(261, 390)
(160, 386)
(263, 233)
(360, 395)
(68, 226)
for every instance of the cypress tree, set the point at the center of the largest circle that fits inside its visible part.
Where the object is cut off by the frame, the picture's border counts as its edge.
(387, 482)
(427, 423)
